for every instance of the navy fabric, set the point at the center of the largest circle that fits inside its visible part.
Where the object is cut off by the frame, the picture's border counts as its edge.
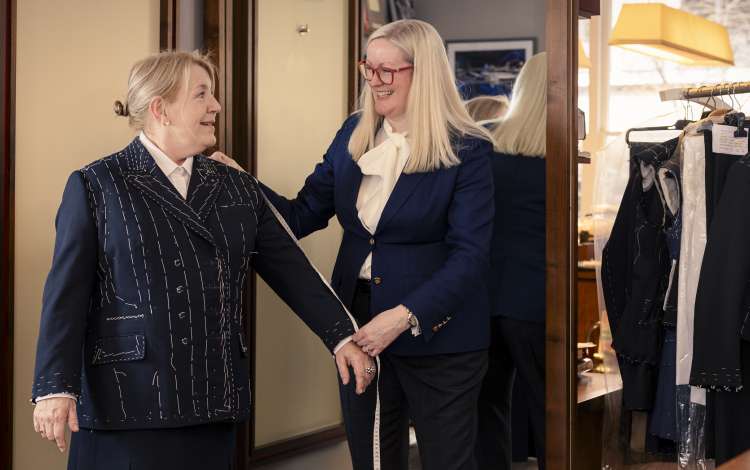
(517, 260)
(208, 446)
(430, 249)
(142, 315)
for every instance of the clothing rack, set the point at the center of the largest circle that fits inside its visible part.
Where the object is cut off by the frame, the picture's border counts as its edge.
(708, 96)
(722, 89)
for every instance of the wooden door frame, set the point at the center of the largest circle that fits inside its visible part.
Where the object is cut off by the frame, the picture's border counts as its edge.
(561, 221)
(7, 138)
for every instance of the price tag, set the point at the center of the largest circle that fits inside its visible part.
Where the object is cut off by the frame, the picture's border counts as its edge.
(724, 141)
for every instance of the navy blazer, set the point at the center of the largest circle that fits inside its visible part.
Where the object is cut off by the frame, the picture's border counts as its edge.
(142, 315)
(517, 270)
(430, 248)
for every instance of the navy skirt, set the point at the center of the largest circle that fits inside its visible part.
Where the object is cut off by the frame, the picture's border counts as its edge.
(208, 446)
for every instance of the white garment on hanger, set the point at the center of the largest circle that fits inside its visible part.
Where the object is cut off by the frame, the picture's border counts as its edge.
(692, 245)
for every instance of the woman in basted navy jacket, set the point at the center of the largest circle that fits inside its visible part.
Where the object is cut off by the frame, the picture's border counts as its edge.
(141, 349)
(409, 180)
(516, 280)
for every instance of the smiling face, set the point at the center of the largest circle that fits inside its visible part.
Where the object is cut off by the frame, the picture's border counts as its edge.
(390, 99)
(192, 115)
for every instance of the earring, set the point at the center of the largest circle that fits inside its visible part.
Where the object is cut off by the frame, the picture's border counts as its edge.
(166, 123)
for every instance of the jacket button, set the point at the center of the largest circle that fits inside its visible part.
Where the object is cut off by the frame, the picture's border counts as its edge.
(377, 281)
(180, 289)
(372, 241)
(181, 315)
(177, 263)
(184, 341)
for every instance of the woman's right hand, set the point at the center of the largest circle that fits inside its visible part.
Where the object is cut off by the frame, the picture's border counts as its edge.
(50, 417)
(227, 160)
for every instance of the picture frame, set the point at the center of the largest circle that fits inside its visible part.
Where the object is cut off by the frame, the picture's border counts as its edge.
(488, 67)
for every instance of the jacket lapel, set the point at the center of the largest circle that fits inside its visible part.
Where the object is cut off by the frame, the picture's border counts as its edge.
(404, 188)
(142, 173)
(205, 185)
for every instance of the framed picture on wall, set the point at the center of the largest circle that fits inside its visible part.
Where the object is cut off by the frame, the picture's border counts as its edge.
(374, 15)
(488, 67)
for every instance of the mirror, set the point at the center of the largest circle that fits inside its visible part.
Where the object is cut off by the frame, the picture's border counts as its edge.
(299, 57)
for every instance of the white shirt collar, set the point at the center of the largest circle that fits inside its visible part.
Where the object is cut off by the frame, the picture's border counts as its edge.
(165, 164)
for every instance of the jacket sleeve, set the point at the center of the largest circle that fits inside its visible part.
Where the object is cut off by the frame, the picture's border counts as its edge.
(314, 205)
(470, 216)
(283, 265)
(67, 294)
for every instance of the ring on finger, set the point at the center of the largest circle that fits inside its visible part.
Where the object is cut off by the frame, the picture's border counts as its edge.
(370, 370)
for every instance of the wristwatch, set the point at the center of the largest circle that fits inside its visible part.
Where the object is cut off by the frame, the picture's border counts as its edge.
(413, 322)
(412, 319)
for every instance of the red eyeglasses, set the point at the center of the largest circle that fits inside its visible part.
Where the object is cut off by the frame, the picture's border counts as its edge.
(385, 74)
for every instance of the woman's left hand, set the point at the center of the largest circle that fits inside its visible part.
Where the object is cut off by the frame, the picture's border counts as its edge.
(226, 159)
(382, 330)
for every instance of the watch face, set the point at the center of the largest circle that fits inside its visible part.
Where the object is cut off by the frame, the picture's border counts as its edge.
(412, 319)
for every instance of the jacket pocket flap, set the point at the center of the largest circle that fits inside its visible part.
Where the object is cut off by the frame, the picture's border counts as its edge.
(119, 349)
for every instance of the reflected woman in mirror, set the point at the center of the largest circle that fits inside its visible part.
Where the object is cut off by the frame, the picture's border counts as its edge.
(141, 350)
(408, 176)
(487, 108)
(516, 285)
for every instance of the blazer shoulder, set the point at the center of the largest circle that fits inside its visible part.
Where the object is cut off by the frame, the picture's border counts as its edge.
(470, 148)
(122, 159)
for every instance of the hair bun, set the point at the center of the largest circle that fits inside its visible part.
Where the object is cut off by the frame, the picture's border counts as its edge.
(121, 109)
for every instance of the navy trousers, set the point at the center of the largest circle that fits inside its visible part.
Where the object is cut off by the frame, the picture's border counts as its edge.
(207, 446)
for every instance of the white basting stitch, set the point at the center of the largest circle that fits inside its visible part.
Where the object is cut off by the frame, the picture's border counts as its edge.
(155, 381)
(105, 237)
(171, 336)
(119, 388)
(226, 328)
(190, 319)
(124, 317)
(127, 231)
(143, 249)
(161, 254)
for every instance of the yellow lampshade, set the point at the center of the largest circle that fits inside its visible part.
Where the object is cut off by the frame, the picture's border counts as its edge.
(583, 60)
(670, 34)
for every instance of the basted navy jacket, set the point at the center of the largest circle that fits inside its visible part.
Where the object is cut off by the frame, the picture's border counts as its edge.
(142, 314)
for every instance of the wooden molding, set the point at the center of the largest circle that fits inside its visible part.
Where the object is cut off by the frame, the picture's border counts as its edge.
(297, 445)
(561, 220)
(167, 24)
(7, 115)
(355, 35)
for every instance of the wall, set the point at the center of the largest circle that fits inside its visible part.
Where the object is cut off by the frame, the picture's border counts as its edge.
(485, 19)
(301, 93)
(73, 59)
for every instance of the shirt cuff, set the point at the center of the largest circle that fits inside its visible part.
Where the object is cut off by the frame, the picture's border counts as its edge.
(341, 344)
(57, 395)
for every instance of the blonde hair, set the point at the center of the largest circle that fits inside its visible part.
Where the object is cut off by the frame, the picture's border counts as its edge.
(523, 131)
(435, 112)
(485, 107)
(163, 75)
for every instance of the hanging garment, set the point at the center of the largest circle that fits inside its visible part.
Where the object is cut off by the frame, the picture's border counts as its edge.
(722, 304)
(692, 245)
(662, 419)
(721, 352)
(635, 275)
